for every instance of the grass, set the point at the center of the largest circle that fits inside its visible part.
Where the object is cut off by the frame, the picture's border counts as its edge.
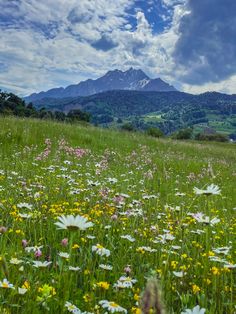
(126, 184)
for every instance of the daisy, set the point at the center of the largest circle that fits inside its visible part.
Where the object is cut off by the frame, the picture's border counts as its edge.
(25, 216)
(22, 291)
(33, 248)
(125, 282)
(179, 274)
(128, 237)
(112, 306)
(74, 268)
(6, 284)
(105, 267)
(72, 308)
(200, 217)
(100, 250)
(25, 205)
(15, 261)
(71, 222)
(39, 264)
(64, 255)
(195, 310)
(210, 190)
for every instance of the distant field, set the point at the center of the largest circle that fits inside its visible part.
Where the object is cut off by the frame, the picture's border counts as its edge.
(146, 220)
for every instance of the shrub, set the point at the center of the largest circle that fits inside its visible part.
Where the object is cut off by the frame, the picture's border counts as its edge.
(155, 132)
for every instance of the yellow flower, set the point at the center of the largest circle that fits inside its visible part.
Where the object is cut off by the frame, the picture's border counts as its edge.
(103, 284)
(195, 289)
(75, 246)
(136, 310)
(215, 271)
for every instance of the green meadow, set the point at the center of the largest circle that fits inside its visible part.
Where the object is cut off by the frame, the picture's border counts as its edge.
(140, 215)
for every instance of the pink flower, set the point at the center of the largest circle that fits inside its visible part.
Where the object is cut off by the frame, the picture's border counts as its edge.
(24, 243)
(38, 253)
(64, 242)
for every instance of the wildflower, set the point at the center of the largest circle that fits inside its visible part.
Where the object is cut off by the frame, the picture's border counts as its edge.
(15, 261)
(22, 291)
(103, 284)
(46, 292)
(215, 271)
(100, 250)
(74, 268)
(195, 289)
(24, 243)
(195, 310)
(128, 237)
(178, 273)
(6, 284)
(72, 308)
(33, 248)
(125, 282)
(210, 190)
(222, 250)
(71, 222)
(112, 306)
(143, 249)
(38, 253)
(127, 269)
(105, 267)
(64, 242)
(64, 255)
(39, 264)
(200, 217)
(25, 205)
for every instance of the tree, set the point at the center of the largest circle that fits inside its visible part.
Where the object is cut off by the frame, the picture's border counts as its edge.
(184, 134)
(78, 115)
(155, 132)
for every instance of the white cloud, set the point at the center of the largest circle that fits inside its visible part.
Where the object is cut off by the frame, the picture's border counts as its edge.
(36, 60)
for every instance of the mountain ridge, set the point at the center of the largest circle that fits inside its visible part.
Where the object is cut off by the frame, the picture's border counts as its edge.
(132, 79)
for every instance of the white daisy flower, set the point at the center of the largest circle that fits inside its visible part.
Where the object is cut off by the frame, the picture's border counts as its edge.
(25, 205)
(195, 310)
(72, 308)
(6, 284)
(200, 217)
(33, 248)
(39, 264)
(125, 282)
(105, 267)
(22, 291)
(15, 261)
(100, 250)
(210, 190)
(112, 306)
(146, 249)
(64, 254)
(71, 222)
(74, 268)
(25, 216)
(179, 274)
(222, 250)
(128, 237)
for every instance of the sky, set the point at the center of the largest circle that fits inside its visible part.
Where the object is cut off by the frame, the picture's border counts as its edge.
(191, 44)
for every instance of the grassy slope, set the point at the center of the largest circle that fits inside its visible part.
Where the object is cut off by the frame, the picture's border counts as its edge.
(173, 166)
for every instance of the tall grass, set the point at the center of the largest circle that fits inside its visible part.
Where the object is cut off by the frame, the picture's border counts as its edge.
(126, 184)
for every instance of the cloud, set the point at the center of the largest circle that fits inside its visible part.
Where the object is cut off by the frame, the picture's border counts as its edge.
(206, 49)
(105, 43)
(48, 43)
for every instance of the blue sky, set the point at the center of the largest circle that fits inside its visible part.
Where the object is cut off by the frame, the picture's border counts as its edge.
(51, 43)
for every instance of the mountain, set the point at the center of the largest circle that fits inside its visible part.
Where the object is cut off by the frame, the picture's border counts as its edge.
(169, 111)
(113, 80)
